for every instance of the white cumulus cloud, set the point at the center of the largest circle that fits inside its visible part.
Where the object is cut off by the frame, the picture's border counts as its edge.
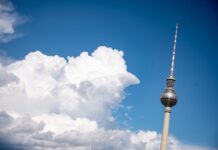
(48, 102)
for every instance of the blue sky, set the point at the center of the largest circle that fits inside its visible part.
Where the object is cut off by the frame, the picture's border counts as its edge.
(144, 30)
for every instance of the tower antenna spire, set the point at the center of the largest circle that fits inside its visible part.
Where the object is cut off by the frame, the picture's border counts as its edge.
(174, 53)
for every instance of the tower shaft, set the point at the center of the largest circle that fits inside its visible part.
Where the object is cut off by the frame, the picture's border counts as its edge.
(163, 145)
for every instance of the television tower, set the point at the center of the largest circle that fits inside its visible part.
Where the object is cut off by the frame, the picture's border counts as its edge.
(168, 98)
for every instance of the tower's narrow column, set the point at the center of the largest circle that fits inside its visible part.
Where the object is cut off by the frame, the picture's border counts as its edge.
(168, 98)
(165, 128)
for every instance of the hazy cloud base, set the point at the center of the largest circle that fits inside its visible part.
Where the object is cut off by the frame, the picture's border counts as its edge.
(48, 102)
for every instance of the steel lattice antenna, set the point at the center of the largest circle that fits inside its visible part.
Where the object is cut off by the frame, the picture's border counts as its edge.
(174, 53)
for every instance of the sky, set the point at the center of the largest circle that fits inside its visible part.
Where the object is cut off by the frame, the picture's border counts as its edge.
(80, 74)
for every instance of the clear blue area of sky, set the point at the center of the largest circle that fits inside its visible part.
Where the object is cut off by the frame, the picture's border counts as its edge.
(144, 30)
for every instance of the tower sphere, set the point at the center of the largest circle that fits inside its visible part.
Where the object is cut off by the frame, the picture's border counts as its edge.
(169, 97)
